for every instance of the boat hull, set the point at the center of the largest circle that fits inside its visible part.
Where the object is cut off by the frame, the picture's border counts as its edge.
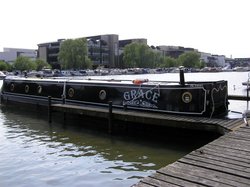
(204, 98)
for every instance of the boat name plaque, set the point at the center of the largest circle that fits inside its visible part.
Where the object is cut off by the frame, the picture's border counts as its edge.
(142, 97)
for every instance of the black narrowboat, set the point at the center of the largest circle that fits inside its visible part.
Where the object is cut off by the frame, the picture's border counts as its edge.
(185, 98)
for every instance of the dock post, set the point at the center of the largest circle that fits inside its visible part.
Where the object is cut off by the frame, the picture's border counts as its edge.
(49, 109)
(63, 102)
(110, 117)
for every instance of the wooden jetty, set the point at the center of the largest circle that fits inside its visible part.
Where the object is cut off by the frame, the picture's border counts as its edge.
(223, 162)
(216, 125)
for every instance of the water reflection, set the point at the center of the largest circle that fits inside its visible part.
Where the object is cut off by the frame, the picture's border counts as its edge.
(36, 153)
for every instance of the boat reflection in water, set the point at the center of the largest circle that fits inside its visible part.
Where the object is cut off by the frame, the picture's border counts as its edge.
(35, 153)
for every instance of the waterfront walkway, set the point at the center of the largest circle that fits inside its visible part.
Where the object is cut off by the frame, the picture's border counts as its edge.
(223, 162)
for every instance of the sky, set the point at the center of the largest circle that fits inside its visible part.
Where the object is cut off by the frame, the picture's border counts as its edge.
(219, 27)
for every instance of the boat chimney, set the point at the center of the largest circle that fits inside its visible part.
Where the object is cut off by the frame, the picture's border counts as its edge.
(182, 79)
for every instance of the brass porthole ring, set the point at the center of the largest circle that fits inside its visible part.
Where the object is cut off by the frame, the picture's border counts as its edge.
(26, 88)
(12, 87)
(39, 89)
(102, 94)
(71, 92)
(187, 97)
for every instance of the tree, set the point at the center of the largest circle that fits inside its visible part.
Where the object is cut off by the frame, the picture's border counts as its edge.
(40, 64)
(3, 66)
(24, 63)
(167, 62)
(130, 55)
(138, 55)
(189, 59)
(73, 54)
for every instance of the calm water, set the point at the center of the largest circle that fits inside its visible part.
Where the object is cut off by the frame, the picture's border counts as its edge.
(34, 153)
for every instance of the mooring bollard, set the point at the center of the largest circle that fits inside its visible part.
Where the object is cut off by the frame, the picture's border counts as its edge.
(110, 117)
(49, 109)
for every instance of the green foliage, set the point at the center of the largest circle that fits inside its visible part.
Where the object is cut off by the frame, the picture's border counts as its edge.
(24, 63)
(9, 67)
(167, 62)
(137, 55)
(130, 55)
(73, 54)
(202, 64)
(189, 59)
(40, 64)
(3, 66)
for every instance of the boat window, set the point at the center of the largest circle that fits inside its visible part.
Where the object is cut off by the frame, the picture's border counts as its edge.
(102, 94)
(27, 88)
(39, 89)
(12, 87)
(71, 92)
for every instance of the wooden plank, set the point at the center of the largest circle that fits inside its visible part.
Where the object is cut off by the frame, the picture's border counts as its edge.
(173, 179)
(218, 157)
(242, 132)
(213, 175)
(225, 121)
(236, 123)
(156, 182)
(206, 176)
(244, 129)
(227, 152)
(205, 120)
(232, 123)
(217, 166)
(236, 143)
(236, 148)
(239, 136)
(214, 121)
(192, 180)
(141, 184)
(231, 140)
(237, 126)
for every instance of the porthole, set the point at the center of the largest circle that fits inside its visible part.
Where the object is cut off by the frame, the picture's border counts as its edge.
(26, 89)
(71, 92)
(187, 97)
(102, 95)
(39, 89)
(12, 87)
